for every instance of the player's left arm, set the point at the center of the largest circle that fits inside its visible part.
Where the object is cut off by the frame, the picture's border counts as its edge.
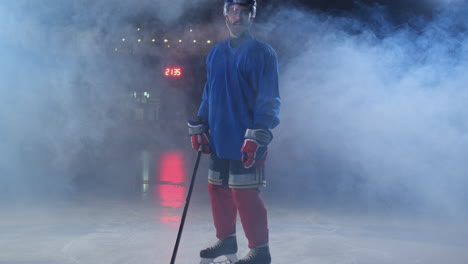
(266, 112)
(267, 102)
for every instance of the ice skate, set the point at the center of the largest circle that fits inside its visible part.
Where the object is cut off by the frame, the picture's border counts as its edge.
(223, 252)
(260, 255)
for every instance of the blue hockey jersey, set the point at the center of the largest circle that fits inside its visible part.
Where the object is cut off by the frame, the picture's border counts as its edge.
(241, 92)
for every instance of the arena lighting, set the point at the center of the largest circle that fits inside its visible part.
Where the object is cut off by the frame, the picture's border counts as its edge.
(139, 40)
(123, 39)
(166, 40)
(154, 40)
(173, 72)
(208, 41)
(194, 41)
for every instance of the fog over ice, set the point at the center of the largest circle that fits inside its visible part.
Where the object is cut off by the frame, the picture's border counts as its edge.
(65, 92)
(373, 113)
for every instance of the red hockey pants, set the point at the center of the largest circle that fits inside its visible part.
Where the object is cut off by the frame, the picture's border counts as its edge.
(226, 202)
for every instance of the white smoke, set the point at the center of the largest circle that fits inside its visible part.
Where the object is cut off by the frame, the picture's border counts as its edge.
(374, 113)
(65, 91)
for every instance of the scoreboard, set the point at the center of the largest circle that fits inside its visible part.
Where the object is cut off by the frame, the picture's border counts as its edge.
(173, 72)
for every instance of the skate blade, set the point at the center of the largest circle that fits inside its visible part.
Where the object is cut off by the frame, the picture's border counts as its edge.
(226, 259)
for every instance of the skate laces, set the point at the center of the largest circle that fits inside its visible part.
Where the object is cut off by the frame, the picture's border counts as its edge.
(221, 243)
(251, 255)
(218, 244)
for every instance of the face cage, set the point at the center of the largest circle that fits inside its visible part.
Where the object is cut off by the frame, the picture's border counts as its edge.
(253, 10)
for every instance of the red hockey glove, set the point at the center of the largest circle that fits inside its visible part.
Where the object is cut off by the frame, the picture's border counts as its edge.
(198, 131)
(254, 150)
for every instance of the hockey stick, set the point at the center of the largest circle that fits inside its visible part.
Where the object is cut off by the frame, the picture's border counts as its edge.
(184, 214)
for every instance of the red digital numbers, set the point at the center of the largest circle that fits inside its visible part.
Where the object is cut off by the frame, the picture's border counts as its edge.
(175, 72)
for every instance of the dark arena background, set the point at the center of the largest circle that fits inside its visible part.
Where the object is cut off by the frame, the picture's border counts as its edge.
(368, 164)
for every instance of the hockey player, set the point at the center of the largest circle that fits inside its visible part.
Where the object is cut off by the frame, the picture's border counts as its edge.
(240, 105)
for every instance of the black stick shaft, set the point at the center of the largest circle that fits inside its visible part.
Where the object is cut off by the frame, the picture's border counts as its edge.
(184, 215)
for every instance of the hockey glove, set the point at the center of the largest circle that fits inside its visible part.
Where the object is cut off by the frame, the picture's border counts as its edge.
(254, 150)
(199, 136)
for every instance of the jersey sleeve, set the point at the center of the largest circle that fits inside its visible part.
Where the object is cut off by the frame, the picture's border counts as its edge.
(203, 110)
(267, 102)
(204, 106)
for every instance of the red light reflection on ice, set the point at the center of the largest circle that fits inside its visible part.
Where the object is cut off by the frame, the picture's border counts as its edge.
(171, 195)
(168, 218)
(170, 192)
(172, 167)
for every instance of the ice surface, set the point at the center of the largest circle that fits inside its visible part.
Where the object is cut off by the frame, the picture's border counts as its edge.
(139, 229)
(381, 115)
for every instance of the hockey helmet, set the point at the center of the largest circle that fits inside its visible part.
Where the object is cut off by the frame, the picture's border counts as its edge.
(252, 4)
